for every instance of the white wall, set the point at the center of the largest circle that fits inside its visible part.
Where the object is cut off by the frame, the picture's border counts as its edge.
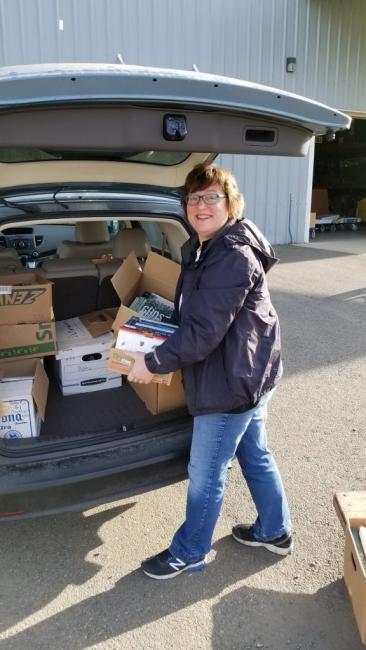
(242, 38)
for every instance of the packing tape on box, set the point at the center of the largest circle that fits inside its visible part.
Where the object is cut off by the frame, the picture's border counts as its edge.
(4, 408)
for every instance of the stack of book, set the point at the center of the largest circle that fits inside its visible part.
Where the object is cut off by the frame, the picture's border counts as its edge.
(153, 307)
(143, 335)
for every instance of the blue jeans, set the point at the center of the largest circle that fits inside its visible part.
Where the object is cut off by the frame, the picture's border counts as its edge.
(216, 439)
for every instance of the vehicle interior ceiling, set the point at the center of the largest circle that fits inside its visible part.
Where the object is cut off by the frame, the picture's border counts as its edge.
(80, 258)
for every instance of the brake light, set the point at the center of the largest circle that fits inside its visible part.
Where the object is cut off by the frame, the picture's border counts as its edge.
(13, 514)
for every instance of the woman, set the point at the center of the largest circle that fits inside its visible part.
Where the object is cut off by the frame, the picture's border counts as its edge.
(228, 347)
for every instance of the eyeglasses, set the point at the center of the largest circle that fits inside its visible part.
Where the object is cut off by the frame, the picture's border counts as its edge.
(209, 199)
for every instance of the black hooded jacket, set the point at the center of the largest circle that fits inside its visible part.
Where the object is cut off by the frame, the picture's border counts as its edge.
(228, 342)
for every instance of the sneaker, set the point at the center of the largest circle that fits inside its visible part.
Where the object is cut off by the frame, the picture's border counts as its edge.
(164, 565)
(244, 534)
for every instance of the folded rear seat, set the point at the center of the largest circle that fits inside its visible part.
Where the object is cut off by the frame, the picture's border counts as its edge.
(75, 288)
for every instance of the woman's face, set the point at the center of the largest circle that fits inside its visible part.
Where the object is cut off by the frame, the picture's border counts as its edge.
(206, 219)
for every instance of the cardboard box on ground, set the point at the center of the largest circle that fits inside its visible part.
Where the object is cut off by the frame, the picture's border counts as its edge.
(160, 276)
(27, 327)
(361, 209)
(82, 360)
(320, 204)
(312, 223)
(351, 510)
(320, 201)
(355, 573)
(23, 398)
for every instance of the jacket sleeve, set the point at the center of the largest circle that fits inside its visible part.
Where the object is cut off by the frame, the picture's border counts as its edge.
(224, 285)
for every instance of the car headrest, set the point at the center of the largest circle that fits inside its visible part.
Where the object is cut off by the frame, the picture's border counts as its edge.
(91, 232)
(131, 239)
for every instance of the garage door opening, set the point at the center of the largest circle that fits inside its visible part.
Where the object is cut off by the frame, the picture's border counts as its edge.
(339, 186)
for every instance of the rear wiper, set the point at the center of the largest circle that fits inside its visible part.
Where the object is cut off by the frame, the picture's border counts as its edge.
(18, 206)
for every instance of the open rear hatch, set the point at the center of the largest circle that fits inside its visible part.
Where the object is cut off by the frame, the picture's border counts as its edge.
(142, 123)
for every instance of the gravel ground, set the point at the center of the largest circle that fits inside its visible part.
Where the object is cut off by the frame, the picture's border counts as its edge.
(73, 581)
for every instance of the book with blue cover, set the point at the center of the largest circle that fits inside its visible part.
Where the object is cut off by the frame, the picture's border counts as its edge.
(152, 326)
(154, 307)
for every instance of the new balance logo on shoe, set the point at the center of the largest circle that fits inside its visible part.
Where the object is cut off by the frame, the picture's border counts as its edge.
(164, 565)
(177, 564)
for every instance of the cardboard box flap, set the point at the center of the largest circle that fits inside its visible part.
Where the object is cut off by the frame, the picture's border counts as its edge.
(123, 314)
(99, 322)
(350, 505)
(15, 279)
(30, 368)
(19, 368)
(40, 389)
(160, 275)
(127, 278)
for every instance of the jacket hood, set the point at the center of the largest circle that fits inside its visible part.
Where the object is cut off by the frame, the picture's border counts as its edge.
(243, 232)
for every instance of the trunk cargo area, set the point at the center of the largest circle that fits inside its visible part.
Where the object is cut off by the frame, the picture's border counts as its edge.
(106, 411)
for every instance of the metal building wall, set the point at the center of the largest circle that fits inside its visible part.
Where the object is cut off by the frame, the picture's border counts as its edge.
(242, 38)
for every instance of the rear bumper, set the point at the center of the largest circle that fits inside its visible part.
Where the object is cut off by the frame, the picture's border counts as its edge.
(80, 477)
(90, 491)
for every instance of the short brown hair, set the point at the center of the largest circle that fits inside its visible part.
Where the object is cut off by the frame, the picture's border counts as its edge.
(203, 175)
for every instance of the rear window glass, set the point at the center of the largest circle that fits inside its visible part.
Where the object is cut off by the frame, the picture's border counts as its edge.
(167, 158)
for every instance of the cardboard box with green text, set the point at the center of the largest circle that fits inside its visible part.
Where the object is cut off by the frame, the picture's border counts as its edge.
(27, 328)
(27, 340)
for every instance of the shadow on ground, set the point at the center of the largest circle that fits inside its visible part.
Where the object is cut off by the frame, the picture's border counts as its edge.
(54, 560)
(255, 618)
(274, 618)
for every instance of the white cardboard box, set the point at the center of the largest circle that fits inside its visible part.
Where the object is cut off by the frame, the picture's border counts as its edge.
(73, 336)
(23, 397)
(90, 385)
(82, 360)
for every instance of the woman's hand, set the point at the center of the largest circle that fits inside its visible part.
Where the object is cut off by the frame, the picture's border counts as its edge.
(139, 372)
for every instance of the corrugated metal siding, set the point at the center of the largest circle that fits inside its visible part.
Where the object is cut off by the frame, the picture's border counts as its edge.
(277, 196)
(244, 38)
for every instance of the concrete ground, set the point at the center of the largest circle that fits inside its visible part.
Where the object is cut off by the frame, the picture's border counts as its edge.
(73, 581)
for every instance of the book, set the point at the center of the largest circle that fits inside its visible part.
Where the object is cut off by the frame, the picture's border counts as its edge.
(154, 327)
(362, 534)
(142, 335)
(153, 307)
(137, 341)
(359, 546)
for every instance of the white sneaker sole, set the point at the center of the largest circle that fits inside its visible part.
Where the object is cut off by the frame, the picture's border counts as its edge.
(278, 550)
(198, 566)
